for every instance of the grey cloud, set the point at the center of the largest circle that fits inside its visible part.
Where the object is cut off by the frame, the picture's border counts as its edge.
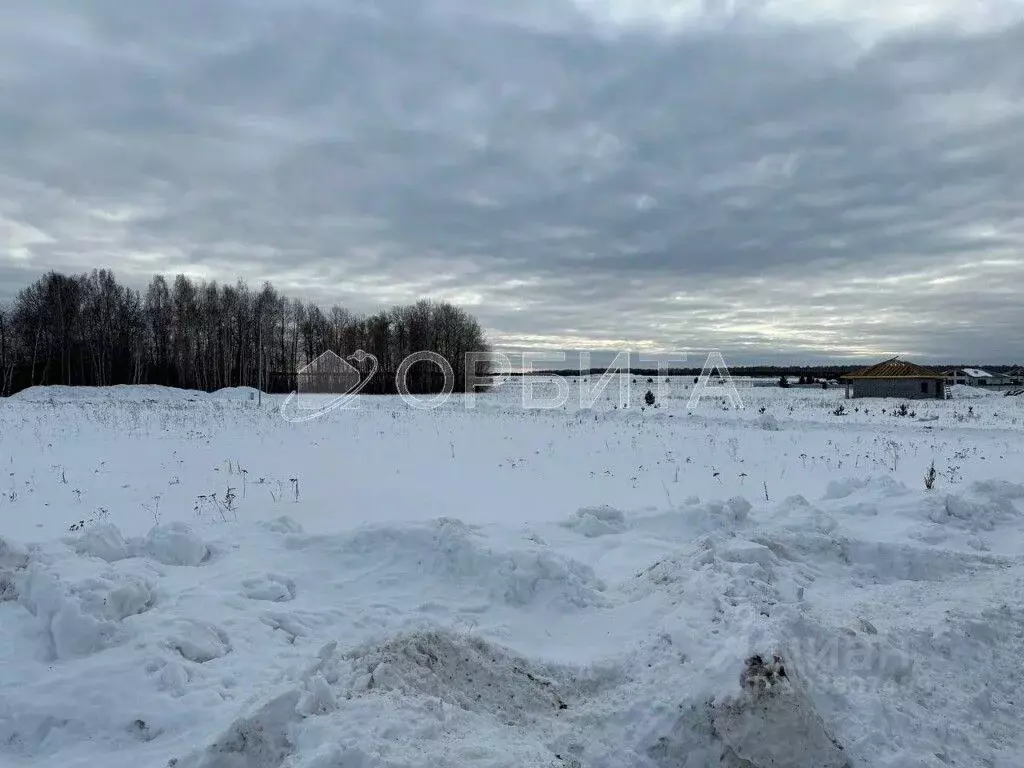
(735, 186)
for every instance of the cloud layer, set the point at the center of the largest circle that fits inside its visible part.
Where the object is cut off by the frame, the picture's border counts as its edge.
(778, 176)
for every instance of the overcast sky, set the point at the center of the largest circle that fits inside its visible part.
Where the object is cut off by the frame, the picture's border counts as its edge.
(804, 178)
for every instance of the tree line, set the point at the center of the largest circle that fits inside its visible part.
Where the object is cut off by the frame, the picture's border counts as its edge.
(88, 329)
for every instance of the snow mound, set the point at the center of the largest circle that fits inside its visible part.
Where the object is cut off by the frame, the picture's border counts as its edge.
(114, 596)
(270, 587)
(429, 697)
(771, 723)
(170, 544)
(738, 508)
(103, 541)
(740, 551)
(282, 524)
(236, 393)
(58, 393)
(84, 617)
(12, 555)
(982, 508)
(199, 641)
(884, 486)
(971, 660)
(258, 741)
(999, 489)
(973, 515)
(468, 673)
(129, 598)
(458, 554)
(696, 518)
(726, 581)
(175, 544)
(876, 562)
(76, 624)
(767, 422)
(597, 521)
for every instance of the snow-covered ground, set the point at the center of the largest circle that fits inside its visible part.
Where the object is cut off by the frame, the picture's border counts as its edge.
(192, 580)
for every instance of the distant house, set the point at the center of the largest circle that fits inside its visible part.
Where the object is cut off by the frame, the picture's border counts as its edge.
(974, 377)
(1014, 377)
(896, 378)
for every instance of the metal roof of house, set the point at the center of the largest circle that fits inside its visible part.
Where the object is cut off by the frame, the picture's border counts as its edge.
(895, 369)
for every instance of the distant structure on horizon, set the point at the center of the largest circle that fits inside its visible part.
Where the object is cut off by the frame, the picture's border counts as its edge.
(977, 377)
(328, 374)
(896, 378)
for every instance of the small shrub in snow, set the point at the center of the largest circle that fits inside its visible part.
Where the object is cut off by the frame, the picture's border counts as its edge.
(649, 398)
(154, 510)
(99, 517)
(929, 477)
(8, 590)
(840, 411)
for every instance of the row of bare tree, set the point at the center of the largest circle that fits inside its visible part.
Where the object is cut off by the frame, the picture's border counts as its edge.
(90, 330)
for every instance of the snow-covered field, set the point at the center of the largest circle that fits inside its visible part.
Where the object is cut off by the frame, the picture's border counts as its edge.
(191, 580)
